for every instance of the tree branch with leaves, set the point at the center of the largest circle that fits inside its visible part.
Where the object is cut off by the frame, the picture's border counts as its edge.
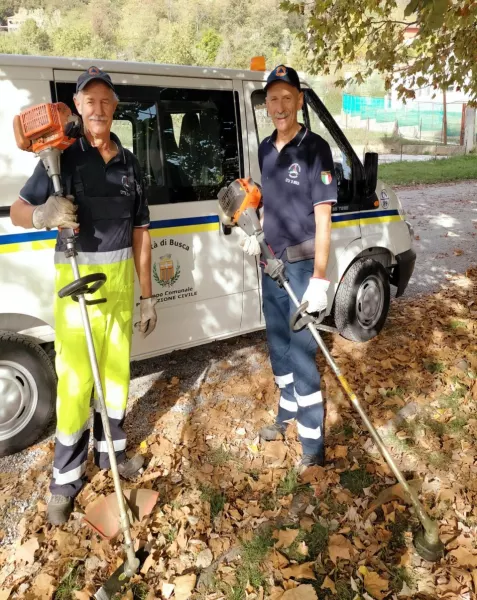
(376, 35)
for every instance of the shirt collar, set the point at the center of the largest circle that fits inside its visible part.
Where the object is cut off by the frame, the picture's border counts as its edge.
(296, 141)
(85, 145)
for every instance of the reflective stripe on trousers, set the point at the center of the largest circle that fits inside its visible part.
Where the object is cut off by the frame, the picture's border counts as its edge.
(293, 359)
(111, 324)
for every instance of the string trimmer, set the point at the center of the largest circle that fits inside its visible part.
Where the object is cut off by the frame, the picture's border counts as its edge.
(47, 130)
(238, 205)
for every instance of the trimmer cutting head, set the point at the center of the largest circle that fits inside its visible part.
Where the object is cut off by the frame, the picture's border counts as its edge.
(428, 550)
(119, 578)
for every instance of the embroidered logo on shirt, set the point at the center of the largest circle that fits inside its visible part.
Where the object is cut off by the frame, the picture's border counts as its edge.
(326, 177)
(294, 170)
(126, 191)
(293, 173)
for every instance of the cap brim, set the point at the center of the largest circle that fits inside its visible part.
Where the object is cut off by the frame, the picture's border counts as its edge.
(275, 79)
(93, 78)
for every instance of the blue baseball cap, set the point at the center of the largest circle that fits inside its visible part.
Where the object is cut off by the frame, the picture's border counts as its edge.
(286, 74)
(90, 75)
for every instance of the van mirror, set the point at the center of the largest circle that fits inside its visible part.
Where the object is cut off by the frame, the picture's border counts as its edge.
(371, 171)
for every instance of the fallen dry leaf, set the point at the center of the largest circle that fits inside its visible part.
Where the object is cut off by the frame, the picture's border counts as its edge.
(339, 547)
(184, 586)
(82, 595)
(286, 537)
(167, 589)
(302, 592)
(313, 474)
(341, 451)
(329, 583)
(66, 542)
(44, 586)
(307, 523)
(302, 571)
(464, 557)
(395, 492)
(451, 587)
(278, 560)
(375, 585)
(275, 450)
(474, 579)
(26, 551)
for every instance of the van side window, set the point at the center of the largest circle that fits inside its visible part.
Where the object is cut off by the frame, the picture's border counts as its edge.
(135, 123)
(341, 158)
(199, 141)
(186, 140)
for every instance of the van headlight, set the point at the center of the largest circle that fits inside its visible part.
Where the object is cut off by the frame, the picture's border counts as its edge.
(411, 229)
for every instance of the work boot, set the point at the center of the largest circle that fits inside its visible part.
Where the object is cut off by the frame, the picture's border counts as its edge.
(310, 460)
(59, 509)
(273, 432)
(129, 469)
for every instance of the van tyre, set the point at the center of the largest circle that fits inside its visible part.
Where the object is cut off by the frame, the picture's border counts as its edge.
(27, 392)
(362, 300)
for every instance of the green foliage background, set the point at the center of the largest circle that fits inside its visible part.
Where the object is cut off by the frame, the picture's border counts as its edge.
(224, 33)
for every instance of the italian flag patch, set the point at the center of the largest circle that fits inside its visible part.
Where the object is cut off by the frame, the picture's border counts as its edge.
(326, 177)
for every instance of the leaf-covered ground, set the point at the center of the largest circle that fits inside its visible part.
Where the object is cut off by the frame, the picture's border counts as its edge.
(234, 520)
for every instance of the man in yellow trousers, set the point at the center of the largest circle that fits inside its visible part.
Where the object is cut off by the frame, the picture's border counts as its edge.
(106, 201)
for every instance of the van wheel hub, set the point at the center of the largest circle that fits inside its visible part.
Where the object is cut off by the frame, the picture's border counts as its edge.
(18, 398)
(370, 301)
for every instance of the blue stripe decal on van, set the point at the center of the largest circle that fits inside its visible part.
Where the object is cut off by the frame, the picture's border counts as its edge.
(163, 224)
(34, 236)
(18, 238)
(372, 214)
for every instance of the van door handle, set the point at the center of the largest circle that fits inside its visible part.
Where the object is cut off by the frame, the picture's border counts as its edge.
(226, 230)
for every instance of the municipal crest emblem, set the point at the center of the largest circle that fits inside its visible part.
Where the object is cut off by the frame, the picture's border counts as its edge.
(168, 273)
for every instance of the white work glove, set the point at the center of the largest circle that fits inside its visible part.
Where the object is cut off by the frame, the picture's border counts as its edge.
(315, 295)
(250, 245)
(148, 316)
(56, 212)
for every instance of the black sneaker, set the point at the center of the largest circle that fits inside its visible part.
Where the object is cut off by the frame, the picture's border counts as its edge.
(59, 509)
(271, 433)
(130, 469)
(310, 460)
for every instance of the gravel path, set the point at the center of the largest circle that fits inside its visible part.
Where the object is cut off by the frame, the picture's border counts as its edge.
(444, 218)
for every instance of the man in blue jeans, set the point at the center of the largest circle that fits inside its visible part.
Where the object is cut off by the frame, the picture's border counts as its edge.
(299, 189)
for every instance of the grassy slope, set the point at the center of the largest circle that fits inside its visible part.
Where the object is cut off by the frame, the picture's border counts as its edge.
(433, 171)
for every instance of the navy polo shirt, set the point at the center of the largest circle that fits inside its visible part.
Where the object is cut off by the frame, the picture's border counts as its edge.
(294, 181)
(99, 180)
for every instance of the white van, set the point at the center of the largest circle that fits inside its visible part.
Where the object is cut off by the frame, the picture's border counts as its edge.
(193, 130)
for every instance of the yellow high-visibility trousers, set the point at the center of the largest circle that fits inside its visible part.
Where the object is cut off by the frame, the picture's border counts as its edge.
(111, 325)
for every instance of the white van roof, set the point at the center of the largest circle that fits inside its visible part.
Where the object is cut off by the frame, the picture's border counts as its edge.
(140, 68)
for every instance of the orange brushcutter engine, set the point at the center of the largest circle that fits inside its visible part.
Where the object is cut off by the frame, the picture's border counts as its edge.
(238, 205)
(47, 130)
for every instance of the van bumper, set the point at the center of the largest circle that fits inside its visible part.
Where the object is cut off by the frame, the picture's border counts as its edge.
(403, 271)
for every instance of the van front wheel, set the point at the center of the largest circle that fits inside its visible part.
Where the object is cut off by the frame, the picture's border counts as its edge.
(27, 392)
(362, 300)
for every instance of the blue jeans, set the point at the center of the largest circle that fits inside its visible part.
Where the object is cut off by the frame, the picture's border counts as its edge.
(293, 359)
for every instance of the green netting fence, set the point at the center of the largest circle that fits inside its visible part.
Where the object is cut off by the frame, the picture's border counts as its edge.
(426, 116)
